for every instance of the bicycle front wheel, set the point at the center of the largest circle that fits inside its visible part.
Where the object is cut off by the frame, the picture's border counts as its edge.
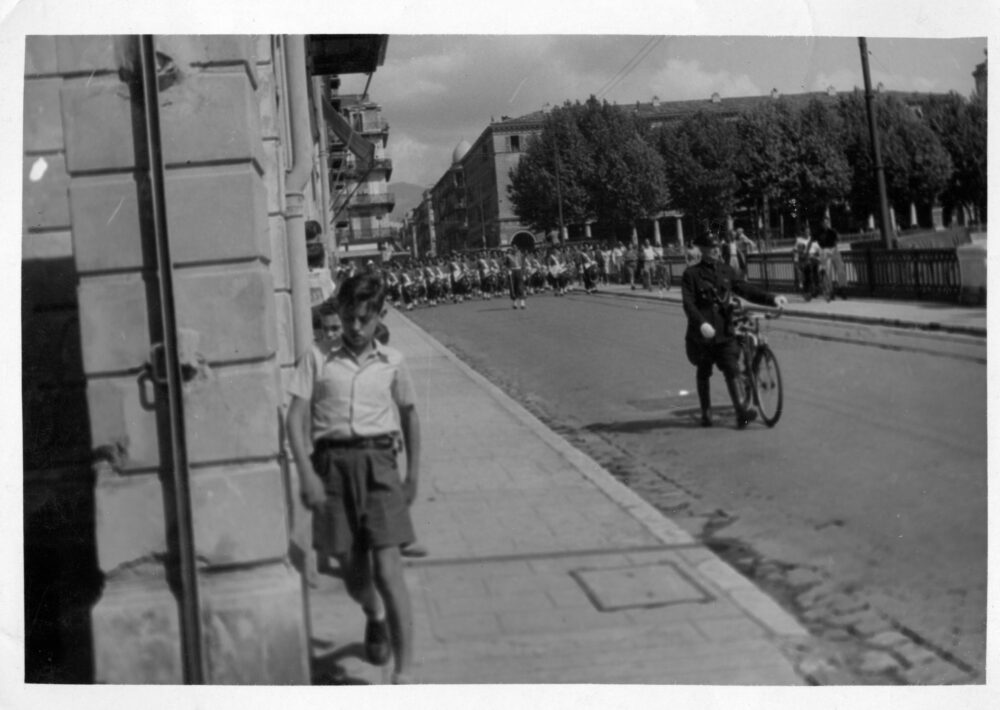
(767, 385)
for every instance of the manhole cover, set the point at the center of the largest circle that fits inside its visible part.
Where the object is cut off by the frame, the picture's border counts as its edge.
(637, 587)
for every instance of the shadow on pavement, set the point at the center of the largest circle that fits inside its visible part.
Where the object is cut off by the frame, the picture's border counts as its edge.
(328, 668)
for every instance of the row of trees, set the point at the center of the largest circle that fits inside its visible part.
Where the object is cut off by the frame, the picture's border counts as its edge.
(600, 163)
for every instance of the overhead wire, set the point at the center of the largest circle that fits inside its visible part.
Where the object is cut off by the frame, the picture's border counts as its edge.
(629, 66)
(626, 67)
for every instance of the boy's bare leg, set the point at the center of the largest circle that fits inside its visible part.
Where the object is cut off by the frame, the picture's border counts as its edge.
(357, 570)
(392, 587)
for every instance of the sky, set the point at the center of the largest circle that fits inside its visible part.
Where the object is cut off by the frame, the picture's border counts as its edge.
(436, 90)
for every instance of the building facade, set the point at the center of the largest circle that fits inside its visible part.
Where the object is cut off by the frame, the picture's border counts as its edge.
(448, 204)
(361, 199)
(164, 302)
(486, 167)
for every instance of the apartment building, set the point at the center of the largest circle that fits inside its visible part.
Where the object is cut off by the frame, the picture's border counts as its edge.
(361, 200)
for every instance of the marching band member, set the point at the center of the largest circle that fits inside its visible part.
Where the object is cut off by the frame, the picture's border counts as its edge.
(557, 271)
(514, 263)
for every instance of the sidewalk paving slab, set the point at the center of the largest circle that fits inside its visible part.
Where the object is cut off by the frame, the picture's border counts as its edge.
(543, 567)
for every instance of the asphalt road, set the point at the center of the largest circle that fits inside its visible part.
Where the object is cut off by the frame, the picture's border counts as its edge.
(874, 479)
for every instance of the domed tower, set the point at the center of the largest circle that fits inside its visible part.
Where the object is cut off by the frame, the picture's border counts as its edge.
(460, 150)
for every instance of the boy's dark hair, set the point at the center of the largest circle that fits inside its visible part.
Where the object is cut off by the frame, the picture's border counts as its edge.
(327, 307)
(362, 288)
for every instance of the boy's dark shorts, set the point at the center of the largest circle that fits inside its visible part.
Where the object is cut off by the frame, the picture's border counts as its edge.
(365, 507)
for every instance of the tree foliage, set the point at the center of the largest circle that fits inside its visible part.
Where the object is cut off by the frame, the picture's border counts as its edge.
(916, 165)
(557, 153)
(627, 179)
(821, 172)
(700, 156)
(596, 157)
(960, 125)
(765, 164)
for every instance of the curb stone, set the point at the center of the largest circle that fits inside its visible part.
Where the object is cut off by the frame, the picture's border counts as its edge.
(751, 600)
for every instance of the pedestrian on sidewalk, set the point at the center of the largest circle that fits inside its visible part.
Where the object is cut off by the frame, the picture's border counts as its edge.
(647, 257)
(707, 289)
(828, 242)
(631, 260)
(349, 399)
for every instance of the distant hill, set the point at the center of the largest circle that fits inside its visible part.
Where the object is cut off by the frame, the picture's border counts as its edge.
(407, 195)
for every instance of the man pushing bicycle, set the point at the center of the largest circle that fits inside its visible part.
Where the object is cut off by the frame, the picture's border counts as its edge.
(707, 288)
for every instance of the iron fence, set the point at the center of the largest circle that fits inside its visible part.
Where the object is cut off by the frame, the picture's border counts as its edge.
(922, 274)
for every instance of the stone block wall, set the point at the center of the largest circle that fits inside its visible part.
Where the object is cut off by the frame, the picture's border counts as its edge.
(92, 321)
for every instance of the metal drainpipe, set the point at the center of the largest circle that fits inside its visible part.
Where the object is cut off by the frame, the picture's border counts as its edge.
(295, 185)
(319, 87)
(193, 658)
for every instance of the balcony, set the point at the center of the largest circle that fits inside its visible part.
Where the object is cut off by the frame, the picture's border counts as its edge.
(377, 125)
(350, 170)
(385, 199)
(349, 236)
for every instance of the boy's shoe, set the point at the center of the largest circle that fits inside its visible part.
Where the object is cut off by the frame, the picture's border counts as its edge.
(377, 642)
(413, 549)
(706, 420)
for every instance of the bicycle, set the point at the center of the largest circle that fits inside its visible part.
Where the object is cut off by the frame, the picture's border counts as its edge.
(758, 379)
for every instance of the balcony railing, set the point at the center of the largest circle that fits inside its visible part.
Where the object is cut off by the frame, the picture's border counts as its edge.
(352, 171)
(367, 200)
(378, 125)
(366, 234)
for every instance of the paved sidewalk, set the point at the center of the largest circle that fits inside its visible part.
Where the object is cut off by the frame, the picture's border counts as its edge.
(544, 569)
(922, 315)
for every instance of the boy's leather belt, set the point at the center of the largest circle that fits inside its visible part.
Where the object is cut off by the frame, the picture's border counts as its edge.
(385, 441)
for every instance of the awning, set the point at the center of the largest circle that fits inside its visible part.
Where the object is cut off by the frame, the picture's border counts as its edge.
(360, 146)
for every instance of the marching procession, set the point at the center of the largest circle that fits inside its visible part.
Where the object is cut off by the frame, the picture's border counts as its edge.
(493, 273)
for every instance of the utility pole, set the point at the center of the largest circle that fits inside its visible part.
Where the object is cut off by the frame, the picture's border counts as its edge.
(883, 200)
(562, 228)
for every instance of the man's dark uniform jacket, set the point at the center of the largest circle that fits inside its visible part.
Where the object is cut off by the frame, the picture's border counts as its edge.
(706, 288)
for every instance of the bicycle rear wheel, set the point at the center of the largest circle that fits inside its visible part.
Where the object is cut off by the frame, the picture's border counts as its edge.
(767, 391)
(744, 378)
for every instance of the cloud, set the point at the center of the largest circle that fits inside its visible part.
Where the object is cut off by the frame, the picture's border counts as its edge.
(841, 80)
(847, 80)
(417, 161)
(681, 80)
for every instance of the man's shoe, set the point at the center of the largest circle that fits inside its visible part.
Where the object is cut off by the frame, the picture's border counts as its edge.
(745, 418)
(706, 420)
(377, 642)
